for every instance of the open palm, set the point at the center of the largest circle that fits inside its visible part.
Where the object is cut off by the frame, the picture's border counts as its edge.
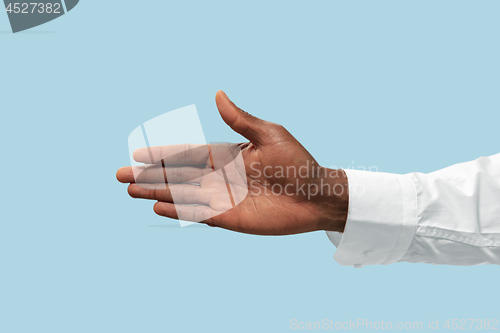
(270, 185)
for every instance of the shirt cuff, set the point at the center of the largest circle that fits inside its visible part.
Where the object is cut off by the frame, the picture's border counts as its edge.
(381, 221)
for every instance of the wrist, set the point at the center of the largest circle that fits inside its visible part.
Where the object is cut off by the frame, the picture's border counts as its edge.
(333, 201)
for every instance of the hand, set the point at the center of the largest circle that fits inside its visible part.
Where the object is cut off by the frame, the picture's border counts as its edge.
(275, 188)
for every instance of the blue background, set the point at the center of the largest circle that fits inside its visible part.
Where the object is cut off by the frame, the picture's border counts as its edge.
(401, 85)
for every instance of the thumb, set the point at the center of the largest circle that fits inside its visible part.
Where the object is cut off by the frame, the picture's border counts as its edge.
(252, 128)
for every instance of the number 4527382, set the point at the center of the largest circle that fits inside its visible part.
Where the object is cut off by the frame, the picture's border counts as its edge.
(34, 7)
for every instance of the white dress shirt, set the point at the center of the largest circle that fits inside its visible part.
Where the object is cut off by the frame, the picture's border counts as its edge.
(451, 216)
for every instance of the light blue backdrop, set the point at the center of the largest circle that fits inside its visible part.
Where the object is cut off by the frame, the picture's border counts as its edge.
(401, 85)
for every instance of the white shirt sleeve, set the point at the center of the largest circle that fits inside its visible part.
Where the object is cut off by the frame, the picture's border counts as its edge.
(451, 216)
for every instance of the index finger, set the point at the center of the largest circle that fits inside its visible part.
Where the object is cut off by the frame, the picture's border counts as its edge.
(181, 154)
